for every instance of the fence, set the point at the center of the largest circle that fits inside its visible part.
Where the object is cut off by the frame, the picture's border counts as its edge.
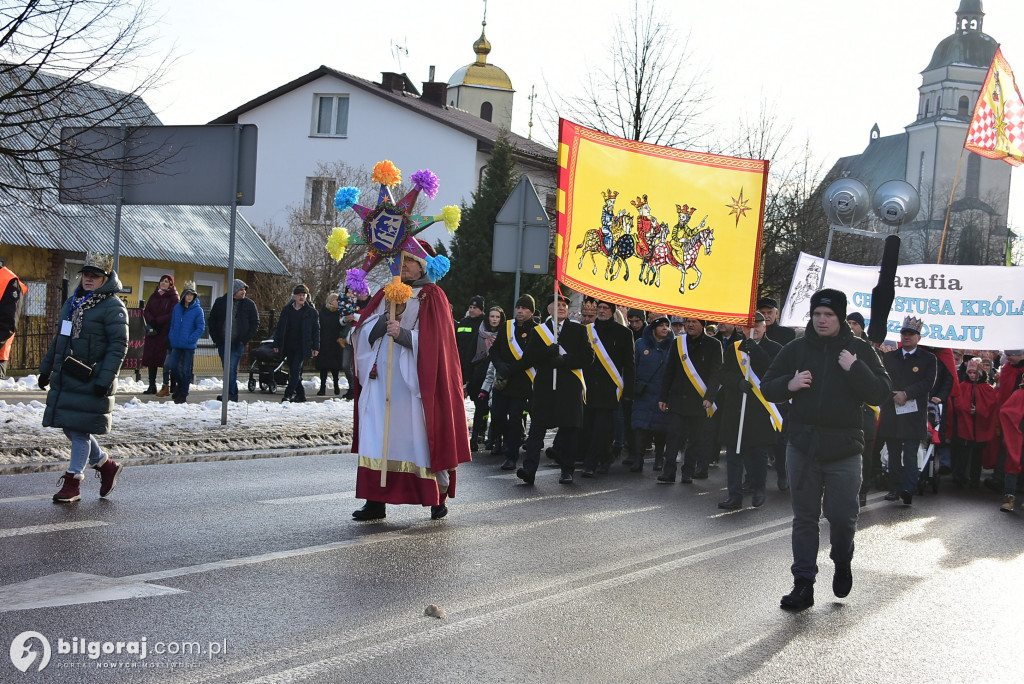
(34, 336)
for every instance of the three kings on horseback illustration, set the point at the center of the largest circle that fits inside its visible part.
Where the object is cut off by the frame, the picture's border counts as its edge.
(655, 244)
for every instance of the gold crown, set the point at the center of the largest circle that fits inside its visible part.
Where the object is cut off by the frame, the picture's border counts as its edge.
(911, 323)
(99, 261)
(609, 194)
(685, 209)
(190, 285)
(639, 202)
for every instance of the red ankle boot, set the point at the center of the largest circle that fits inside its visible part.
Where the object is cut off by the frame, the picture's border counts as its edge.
(108, 470)
(69, 488)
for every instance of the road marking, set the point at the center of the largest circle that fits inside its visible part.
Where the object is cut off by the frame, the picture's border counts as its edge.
(313, 498)
(37, 497)
(69, 588)
(55, 527)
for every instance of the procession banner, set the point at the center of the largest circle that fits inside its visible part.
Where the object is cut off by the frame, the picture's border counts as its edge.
(657, 228)
(963, 307)
(997, 125)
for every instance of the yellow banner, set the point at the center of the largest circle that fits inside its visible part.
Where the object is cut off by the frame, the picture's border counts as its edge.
(658, 228)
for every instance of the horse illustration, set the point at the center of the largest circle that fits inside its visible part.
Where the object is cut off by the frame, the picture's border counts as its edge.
(659, 236)
(681, 254)
(623, 248)
(594, 240)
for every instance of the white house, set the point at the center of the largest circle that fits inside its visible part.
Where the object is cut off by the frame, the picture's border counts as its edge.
(327, 115)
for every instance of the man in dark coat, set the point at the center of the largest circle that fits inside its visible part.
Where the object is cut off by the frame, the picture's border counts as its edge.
(769, 308)
(610, 380)
(556, 405)
(904, 420)
(746, 361)
(332, 345)
(691, 376)
(829, 375)
(513, 384)
(298, 338)
(466, 333)
(244, 324)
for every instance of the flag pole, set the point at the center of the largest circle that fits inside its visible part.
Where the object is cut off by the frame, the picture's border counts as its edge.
(554, 324)
(949, 205)
(743, 404)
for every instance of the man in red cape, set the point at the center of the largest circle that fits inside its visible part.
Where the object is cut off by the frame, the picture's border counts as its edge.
(427, 425)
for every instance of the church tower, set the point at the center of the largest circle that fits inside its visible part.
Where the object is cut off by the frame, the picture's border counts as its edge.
(482, 89)
(950, 87)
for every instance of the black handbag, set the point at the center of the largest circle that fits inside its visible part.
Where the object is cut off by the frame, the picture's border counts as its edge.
(76, 369)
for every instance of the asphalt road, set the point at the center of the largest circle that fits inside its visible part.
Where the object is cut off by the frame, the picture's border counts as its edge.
(615, 579)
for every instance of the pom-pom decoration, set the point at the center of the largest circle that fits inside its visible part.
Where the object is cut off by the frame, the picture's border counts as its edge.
(451, 215)
(386, 173)
(426, 182)
(355, 280)
(398, 292)
(337, 243)
(346, 198)
(437, 267)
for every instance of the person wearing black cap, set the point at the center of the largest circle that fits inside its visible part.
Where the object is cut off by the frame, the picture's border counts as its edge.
(245, 321)
(298, 337)
(687, 393)
(556, 405)
(829, 375)
(610, 380)
(513, 384)
(473, 359)
(769, 308)
(904, 420)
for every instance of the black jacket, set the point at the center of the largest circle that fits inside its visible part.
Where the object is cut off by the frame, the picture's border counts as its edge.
(757, 423)
(245, 325)
(677, 391)
(562, 406)
(780, 334)
(618, 342)
(831, 409)
(915, 375)
(308, 320)
(466, 333)
(330, 331)
(505, 364)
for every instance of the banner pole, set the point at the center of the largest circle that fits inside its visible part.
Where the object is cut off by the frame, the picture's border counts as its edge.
(743, 405)
(554, 325)
(949, 206)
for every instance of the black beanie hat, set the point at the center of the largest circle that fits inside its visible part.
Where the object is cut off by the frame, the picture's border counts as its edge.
(477, 301)
(833, 299)
(527, 302)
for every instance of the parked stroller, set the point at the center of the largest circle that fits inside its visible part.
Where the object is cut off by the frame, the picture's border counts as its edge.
(266, 368)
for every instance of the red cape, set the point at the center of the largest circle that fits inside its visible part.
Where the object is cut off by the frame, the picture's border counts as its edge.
(981, 425)
(440, 376)
(1011, 418)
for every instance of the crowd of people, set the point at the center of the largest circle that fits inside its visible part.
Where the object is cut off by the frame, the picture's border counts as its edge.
(833, 414)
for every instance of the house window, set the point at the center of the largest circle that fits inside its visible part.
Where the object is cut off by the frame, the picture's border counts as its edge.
(320, 198)
(330, 115)
(486, 111)
(962, 105)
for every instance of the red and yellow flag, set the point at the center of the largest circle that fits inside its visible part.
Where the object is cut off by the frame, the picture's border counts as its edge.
(997, 127)
(658, 228)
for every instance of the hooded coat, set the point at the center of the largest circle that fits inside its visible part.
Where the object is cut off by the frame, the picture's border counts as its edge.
(651, 358)
(102, 344)
(157, 313)
(187, 325)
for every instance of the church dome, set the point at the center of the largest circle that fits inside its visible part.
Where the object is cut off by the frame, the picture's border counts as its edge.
(968, 45)
(480, 73)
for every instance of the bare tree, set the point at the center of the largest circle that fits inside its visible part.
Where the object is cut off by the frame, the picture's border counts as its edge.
(651, 91)
(54, 57)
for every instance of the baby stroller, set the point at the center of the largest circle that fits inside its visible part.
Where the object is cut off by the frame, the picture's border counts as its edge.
(266, 368)
(927, 459)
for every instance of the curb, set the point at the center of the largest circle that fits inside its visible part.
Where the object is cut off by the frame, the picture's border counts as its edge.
(241, 455)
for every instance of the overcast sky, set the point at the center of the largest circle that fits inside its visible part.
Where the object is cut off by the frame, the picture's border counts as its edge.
(832, 68)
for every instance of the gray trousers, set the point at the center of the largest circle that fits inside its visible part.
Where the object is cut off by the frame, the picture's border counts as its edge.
(832, 486)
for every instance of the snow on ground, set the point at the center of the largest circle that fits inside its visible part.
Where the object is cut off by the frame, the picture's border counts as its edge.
(155, 430)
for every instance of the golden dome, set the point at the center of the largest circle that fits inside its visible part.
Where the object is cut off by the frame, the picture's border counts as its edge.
(480, 73)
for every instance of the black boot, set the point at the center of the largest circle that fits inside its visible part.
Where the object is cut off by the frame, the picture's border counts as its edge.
(801, 597)
(152, 381)
(373, 510)
(323, 390)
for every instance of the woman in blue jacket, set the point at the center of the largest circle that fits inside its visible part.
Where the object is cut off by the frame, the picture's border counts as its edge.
(187, 324)
(648, 421)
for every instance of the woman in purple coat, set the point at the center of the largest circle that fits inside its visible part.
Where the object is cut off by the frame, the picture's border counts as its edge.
(158, 323)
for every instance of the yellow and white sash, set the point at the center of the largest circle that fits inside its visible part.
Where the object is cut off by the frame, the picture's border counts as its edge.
(606, 360)
(755, 382)
(517, 351)
(549, 340)
(691, 372)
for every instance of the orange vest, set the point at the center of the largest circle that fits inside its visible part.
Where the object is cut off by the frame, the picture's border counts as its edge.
(6, 276)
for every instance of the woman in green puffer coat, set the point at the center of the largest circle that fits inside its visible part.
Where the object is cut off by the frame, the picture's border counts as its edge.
(83, 361)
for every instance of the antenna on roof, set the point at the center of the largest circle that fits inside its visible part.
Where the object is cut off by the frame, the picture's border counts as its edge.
(397, 50)
(533, 96)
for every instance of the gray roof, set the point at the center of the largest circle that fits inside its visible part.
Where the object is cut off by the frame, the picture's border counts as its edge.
(883, 159)
(33, 217)
(484, 131)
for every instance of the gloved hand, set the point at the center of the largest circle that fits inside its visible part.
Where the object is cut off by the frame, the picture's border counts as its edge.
(747, 345)
(553, 350)
(100, 390)
(482, 396)
(44, 380)
(557, 361)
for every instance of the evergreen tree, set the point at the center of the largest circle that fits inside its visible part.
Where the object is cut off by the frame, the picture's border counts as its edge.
(471, 246)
